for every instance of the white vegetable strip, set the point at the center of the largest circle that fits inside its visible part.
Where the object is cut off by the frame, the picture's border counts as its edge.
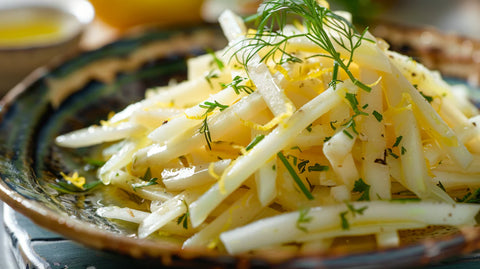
(239, 213)
(192, 117)
(154, 118)
(219, 124)
(94, 135)
(168, 211)
(247, 164)
(122, 213)
(375, 172)
(182, 178)
(456, 180)
(117, 161)
(388, 239)
(265, 180)
(414, 170)
(283, 228)
(431, 121)
(181, 95)
(338, 152)
(125, 181)
(274, 97)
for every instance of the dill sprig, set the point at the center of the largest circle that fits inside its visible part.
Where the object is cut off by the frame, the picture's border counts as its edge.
(318, 21)
(237, 87)
(183, 219)
(204, 129)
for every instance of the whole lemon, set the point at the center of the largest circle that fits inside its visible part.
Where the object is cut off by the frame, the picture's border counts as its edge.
(123, 14)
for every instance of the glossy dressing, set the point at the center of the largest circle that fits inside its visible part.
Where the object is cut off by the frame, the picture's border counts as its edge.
(35, 26)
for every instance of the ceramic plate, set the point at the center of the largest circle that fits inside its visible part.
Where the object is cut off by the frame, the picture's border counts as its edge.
(83, 91)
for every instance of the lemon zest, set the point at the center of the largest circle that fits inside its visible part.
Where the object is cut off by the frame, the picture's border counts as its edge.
(273, 122)
(75, 179)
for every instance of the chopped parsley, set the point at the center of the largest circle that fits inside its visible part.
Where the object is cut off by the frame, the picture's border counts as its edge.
(363, 188)
(397, 141)
(354, 211)
(427, 97)
(303, 218)
(318, 168)
(147, 179)
(377, 116)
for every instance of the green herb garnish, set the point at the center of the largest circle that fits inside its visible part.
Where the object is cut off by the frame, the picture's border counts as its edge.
(318, 22)
(254, 142)
(237, 87)
(303, 218)
(362, 187)
(295, 176)
(183, 219)
(204, 129)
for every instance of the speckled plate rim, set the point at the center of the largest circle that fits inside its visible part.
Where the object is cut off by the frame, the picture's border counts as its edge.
(425, 252)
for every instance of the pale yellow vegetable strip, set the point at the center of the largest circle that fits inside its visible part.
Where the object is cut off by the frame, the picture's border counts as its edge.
(265, 179)
(274, 97)
(365, 229)
(239, 213)
(414, 170)
(450, 166)
(232, 25)
(219, 124)
(168, 211)
(125, 181)
(94, 135)
(192, 118)
(388, 239)
(432, 84)
(117, 161)
(326, 222)
(153, 118)
(193, 176)
(456, 180)
(122, 213)
(338, 152)
(430, 118)
(137, 216)
(288, 195)
(374, 173)
(275, 141)
(181, 95)
(315, 137)
(234, 29)
(201, 66)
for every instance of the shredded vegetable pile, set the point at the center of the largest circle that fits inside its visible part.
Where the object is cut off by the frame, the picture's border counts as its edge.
(301, 131)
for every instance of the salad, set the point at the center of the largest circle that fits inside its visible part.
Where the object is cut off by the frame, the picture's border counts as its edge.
(302, 130)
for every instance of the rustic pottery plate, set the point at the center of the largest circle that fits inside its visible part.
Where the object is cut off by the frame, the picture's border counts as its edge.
(83, 91)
